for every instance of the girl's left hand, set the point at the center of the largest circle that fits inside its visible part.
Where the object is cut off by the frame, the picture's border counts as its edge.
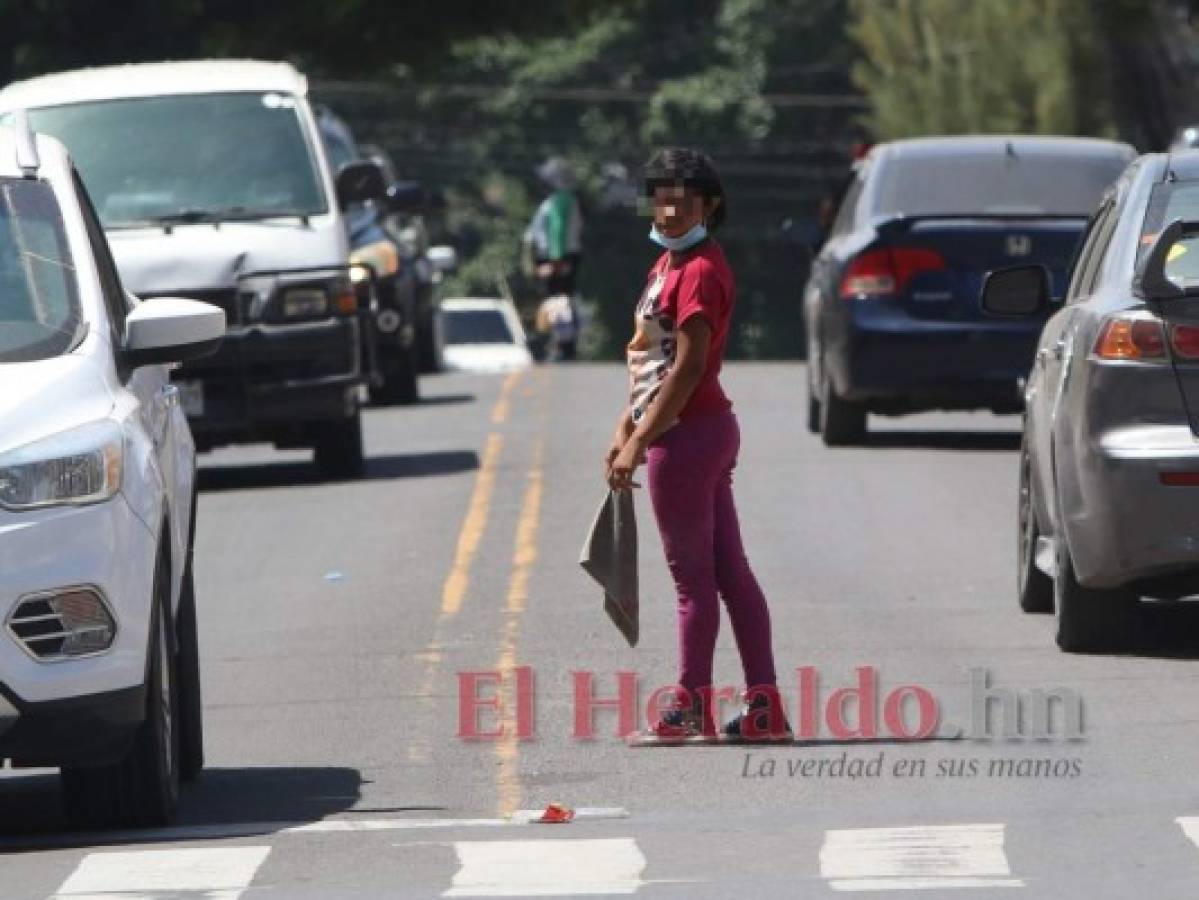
(620, 473)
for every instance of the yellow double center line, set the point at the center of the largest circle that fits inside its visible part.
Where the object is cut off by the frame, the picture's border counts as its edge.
(524, 557)
(471, 534)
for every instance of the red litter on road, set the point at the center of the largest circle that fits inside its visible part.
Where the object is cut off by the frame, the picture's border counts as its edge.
(556, 814)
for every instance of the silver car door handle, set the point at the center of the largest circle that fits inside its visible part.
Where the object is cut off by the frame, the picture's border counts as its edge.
(1055, 351)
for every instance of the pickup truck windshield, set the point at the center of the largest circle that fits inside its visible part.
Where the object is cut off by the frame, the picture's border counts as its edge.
(995, 184)
(40, 314)
(189, 157)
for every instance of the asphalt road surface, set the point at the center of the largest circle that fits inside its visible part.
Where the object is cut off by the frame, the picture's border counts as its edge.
(335, 619)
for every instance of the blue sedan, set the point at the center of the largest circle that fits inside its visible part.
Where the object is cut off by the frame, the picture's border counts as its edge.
(891, 308)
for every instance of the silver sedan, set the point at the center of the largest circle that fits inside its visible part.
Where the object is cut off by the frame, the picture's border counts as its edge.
(1109, 463)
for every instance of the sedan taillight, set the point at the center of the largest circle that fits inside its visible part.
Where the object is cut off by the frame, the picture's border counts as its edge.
(882, 271)
(1135, 336)
(1185, 341)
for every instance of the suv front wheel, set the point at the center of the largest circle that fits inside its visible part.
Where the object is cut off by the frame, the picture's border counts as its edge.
(142, 789)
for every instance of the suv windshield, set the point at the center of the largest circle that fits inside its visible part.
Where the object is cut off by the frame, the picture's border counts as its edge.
(995, 184)
(40, 314)
(187, 157)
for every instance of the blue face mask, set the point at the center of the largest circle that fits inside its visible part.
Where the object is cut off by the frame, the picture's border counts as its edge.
(678, 244)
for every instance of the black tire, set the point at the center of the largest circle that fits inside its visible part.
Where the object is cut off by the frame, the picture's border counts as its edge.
(191, 706)
(401, 384)
(142, 789)
(428, 349)
(1034, 589)
(813, 408)
(338, 448)
(1090, 620)
(842, 422)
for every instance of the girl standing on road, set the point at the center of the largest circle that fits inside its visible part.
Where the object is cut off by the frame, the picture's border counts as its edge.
(679, 421)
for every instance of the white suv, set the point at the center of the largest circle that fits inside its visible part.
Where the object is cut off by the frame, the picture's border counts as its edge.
(99, 671)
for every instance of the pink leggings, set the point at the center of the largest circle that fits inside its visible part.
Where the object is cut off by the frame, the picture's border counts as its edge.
(690, 485)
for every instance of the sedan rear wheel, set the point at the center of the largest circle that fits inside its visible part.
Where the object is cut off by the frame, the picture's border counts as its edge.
(1091, 620)
(842, 422)
(1034, 587)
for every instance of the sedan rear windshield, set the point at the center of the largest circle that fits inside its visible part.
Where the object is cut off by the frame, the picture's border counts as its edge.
(476, 326)
(994, 184)
(40, 316)
(189, 157)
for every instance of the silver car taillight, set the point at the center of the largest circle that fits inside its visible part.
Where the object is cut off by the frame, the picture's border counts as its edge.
(1137, 336)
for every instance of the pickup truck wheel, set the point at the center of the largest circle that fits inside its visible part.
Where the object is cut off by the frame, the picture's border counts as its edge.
(191, 707)
(400, 382)
(141, 790)
(339, 448)
(842, 422)
(429, 341)
(1091, 620)
(1034, 588)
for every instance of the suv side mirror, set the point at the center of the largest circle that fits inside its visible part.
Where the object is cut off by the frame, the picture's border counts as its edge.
(171, 329)
(360, 182)
(443, 257)
(1016, 292)
(407, 196)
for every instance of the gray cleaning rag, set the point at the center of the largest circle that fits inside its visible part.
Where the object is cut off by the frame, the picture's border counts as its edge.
(610, 557)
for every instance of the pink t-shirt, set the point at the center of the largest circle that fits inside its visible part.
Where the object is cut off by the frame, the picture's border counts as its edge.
(702, 285)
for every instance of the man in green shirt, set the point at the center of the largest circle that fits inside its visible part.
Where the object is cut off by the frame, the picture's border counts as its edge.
(554, 237)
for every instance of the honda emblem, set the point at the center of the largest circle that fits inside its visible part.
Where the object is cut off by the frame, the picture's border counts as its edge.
(1019, 245)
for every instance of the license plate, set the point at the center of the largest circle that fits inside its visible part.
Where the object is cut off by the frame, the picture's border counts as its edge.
(191, 398)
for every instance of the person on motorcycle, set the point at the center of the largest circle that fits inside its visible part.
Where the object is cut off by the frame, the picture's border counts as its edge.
(554, 240)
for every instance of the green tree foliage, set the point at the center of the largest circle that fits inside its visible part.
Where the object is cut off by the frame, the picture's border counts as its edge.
(727, 75)
(354, 38)
(945, 66)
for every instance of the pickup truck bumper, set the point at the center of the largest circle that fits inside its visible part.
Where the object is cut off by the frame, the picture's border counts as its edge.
(273, 382)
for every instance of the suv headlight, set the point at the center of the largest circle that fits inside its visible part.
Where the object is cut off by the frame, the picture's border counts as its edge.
(81, 465)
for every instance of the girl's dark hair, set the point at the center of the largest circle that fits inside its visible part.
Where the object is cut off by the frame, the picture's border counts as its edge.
(690, 168)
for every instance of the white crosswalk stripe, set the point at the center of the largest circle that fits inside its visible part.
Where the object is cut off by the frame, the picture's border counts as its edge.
(214, 873)
(1190, 827)
(547, 868)
(916, 858)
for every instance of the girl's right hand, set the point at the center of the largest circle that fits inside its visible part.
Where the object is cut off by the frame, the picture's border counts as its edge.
(609, 458)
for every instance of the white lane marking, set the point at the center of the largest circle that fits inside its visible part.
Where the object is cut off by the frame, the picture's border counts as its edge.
(219, 873)
(253, 829)
(553, 868)
(519, 817)
(916, 858)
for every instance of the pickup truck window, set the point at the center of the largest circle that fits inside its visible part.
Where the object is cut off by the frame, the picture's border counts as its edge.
(40, 315)
(190, 157)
